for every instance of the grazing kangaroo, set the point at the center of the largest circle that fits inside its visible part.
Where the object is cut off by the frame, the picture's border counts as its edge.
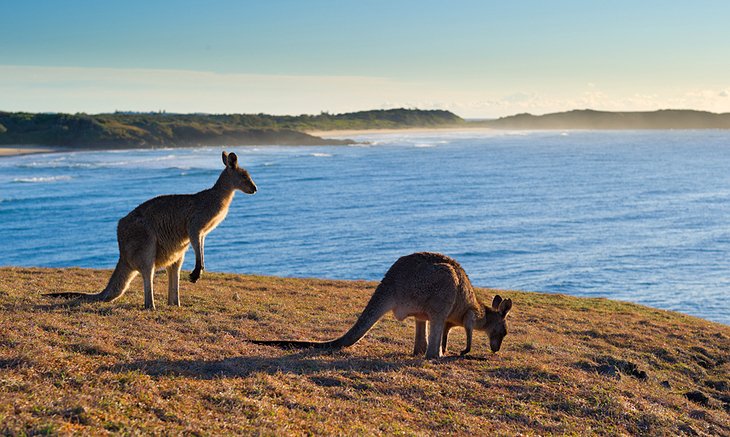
(158, 232)
(432, 288)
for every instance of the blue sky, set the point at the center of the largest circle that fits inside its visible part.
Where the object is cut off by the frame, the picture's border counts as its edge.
(476, 58)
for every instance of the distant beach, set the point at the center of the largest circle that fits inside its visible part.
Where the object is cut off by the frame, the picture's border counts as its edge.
(26, 150)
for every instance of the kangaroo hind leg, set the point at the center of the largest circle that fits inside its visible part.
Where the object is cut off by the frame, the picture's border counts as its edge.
(420, 344)
(435, 333)
(146, 260)
(173, 282)
(148, 275)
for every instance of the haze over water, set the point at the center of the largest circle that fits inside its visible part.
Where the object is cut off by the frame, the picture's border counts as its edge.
(635, 216)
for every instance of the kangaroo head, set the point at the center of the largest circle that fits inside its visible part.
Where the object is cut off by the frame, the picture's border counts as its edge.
(495, 321)
(238, 175)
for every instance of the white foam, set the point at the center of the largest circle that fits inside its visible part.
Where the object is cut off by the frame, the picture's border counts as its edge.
(41, 179)
(56, 164)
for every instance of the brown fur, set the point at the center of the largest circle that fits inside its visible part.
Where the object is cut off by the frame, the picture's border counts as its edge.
(157, 233)
(435, 290)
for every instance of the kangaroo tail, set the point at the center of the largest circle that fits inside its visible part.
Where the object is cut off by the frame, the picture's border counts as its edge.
(118, 284)
(293, 344)
(376, 308)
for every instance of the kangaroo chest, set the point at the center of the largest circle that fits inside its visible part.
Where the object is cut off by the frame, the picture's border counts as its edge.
(214, 220)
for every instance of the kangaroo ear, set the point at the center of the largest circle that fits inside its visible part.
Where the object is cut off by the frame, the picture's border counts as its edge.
(225, 158)
(497, 300)
(504, 307)
(232, 160)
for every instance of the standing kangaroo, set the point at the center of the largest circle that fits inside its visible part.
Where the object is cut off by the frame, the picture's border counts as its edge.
(432, 288)
(158, 232)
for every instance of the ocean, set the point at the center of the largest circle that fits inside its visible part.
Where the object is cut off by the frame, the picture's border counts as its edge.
(639, 216)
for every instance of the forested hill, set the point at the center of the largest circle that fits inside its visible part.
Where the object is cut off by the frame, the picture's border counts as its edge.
(375, 119)
(123, 130)
(589, 119)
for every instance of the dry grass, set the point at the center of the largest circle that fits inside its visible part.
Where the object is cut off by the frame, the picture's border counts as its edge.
(569, 365)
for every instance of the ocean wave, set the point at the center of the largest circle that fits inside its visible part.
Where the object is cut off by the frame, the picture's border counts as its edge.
(93, 163)
(191, 171)
(41, 179)
(320, 155)
(57, 164)
(137, 161)
(490, 254)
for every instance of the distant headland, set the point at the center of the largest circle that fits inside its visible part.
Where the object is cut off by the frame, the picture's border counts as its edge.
(146, 130)
(599, 120)
(124, 130)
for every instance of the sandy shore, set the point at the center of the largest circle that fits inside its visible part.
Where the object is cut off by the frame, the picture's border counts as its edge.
(356, 132)
(25, 150)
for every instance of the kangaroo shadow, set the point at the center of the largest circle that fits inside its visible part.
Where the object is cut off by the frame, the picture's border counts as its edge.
(52, 304)
(78, 305)
(301, 363)
(455, 358)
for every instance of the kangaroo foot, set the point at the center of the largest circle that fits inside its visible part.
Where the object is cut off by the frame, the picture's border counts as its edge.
(432, 356)
(419, 350)
(194, 276)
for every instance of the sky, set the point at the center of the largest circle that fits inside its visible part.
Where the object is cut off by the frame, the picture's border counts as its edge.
(478, 59)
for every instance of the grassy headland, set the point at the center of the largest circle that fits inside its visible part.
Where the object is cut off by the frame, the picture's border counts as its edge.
(568, 365)
(132, 130)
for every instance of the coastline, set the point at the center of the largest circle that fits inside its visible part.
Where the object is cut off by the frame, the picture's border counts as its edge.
(6, 152)
(18, 150)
